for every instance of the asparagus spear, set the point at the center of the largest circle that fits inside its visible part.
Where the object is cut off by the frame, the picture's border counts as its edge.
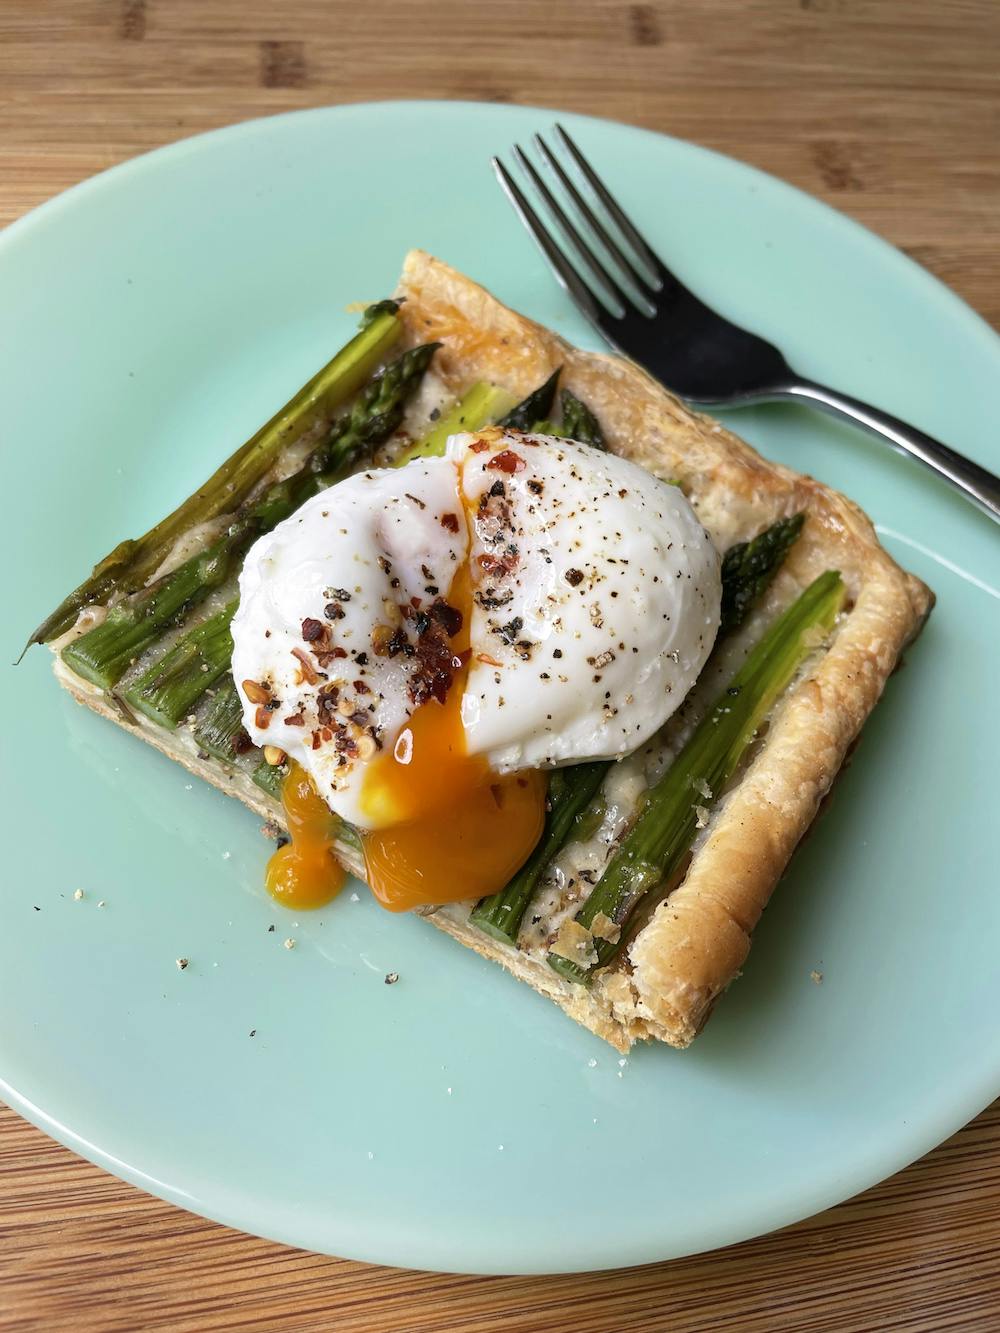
(743, 581)
(103, 654)
(220, 733)
(218, 730)
(130, 564)
(168, 690)
(570, 791)
(270, 777)
(482, 404)
(536, 407)
(654, 848)
(748, 567)
(579, 423)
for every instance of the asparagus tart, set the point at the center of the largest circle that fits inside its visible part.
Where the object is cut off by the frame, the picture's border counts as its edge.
(504, 629)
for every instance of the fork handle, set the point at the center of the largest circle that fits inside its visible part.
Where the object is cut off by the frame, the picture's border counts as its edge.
(976, 483)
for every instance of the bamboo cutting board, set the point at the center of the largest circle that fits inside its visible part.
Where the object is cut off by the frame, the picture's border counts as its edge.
(889, 111)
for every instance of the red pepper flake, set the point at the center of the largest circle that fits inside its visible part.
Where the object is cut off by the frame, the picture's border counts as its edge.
(489, 661)
(490, 563)
(508, 462)
(326, 701)
(324, 656)
(315, 740)
(295, 720)
(361, 687)
(306, 668)
(448, 617)
(262, 717)
(449, 522)
(312, 629)
(435, 662)
(478, 446)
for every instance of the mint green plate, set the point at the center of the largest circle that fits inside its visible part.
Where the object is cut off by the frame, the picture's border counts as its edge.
(149, 321)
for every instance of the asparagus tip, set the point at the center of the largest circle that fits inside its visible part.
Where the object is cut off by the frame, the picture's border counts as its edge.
(536, 407)
(372, 312)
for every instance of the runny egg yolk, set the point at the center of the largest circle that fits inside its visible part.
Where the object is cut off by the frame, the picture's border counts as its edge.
(459, 830)
(304, 872)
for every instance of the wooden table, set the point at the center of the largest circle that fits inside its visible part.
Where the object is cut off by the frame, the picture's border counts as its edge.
(891, 112)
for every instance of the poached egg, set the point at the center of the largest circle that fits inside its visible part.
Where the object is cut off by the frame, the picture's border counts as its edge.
(425, 641)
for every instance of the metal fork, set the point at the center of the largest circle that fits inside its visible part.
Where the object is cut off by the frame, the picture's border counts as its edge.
(646, 312)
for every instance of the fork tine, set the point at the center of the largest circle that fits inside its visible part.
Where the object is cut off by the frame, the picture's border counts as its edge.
(575, 240)
(628, 227)
(560, 265)
(609, 242)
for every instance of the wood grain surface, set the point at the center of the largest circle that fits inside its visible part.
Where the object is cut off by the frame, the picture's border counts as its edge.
(888, 109)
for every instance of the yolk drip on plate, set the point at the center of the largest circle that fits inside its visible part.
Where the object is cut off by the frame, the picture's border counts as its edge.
(304, 873)
(459, 830)
(451, 828)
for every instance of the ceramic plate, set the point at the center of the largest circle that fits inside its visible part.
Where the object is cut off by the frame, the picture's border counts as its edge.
(150, 320)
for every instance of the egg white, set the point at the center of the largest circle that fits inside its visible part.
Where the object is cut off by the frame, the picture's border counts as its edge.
(598, 602)
(596, 598)
(349, 558)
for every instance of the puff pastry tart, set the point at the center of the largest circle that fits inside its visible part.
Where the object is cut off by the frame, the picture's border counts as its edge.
(507, 631)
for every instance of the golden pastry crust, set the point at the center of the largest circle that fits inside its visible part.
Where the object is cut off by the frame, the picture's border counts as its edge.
(697, 940)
